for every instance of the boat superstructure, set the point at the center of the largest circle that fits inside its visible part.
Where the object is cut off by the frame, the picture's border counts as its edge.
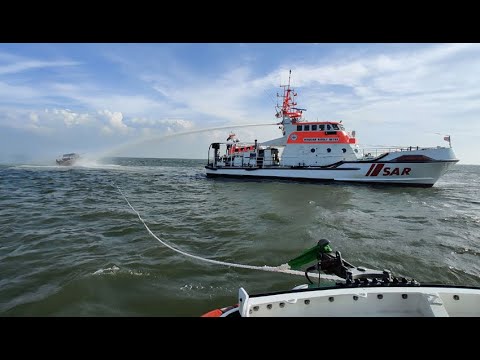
(325, 151)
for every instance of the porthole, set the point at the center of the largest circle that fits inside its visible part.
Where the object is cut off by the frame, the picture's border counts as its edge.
(328, 150)
(344, 150)
(312, 150)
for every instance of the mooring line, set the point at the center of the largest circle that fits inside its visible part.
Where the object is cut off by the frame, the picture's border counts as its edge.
(281, 268)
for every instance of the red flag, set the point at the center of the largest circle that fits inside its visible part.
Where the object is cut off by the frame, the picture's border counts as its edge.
(447, 138)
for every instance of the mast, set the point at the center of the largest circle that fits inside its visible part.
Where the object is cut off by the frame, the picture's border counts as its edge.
(288, 108)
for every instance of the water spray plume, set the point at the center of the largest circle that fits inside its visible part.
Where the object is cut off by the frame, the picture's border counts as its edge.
(189, 132)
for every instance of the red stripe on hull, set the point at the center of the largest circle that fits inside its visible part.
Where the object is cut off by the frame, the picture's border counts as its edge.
(378, 168)
(369, 170)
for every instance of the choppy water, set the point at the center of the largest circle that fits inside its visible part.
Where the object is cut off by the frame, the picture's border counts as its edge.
(71, 246)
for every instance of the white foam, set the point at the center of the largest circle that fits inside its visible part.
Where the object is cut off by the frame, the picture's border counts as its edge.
(110, 270)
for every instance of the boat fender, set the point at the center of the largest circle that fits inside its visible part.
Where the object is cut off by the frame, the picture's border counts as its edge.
(219, 312)
(213, 313)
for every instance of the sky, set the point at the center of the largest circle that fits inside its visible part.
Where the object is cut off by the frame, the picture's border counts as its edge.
(169, 100)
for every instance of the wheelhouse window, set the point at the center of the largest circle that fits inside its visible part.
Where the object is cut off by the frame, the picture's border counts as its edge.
(321, 127)
(299, 127)
(335, 127)
(329, 127)
(314, 127)
(306, 127)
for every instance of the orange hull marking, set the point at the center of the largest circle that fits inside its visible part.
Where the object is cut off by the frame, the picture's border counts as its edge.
(213, 313)
(318, 137)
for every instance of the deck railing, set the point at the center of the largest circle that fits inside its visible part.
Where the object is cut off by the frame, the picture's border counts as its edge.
(373, 152)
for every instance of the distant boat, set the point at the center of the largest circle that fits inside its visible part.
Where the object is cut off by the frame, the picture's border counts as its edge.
(68, 159)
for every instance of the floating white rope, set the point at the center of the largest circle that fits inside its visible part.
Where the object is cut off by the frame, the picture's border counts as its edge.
(281, 269)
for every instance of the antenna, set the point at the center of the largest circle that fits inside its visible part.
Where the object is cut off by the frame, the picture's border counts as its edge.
(288, 108)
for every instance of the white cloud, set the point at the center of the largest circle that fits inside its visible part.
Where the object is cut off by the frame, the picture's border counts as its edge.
(178, 122)
(33, 117)
(17, 93)
(129, 104)
(227, 97)
(115, 122)
(106, 130)
(71, 118)
(32, 64)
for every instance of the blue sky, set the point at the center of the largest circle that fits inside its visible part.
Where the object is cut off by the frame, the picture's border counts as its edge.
(131, 99)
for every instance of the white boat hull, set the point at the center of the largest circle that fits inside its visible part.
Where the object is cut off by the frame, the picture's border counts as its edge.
(397, 301)
(421, 174)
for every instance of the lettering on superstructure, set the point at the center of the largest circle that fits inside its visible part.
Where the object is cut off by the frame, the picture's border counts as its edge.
(320, 139)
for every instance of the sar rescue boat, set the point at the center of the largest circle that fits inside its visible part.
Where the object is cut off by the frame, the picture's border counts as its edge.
(354, 292)
(325, 151)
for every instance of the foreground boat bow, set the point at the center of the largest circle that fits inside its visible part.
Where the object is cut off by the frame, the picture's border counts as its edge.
(361, 292)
